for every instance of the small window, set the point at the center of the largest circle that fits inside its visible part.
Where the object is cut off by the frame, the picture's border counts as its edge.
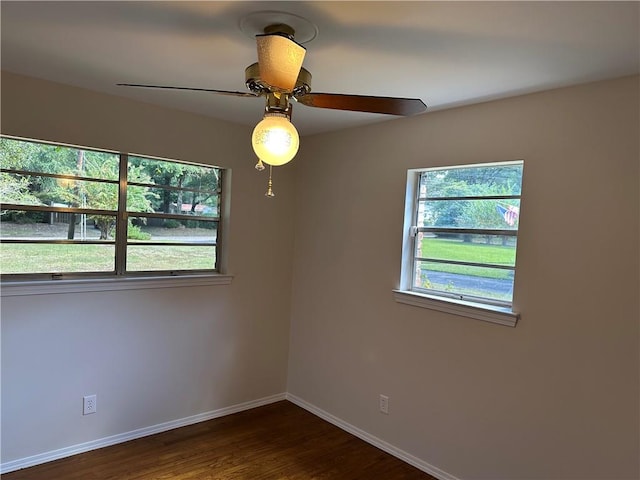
(461, 232)
(70, 211)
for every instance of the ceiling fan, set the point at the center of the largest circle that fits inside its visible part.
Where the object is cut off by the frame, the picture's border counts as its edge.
(279, 77)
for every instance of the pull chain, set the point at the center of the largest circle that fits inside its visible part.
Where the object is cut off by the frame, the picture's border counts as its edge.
(270, 193)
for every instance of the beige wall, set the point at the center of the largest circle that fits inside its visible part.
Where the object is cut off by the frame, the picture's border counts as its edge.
(554, 398)
(152, 356)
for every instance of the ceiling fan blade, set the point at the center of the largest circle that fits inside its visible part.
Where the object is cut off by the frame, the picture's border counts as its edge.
(364, 103)
(221, 92)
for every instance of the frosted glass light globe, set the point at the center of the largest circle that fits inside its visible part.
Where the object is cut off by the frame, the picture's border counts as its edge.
(275, 140)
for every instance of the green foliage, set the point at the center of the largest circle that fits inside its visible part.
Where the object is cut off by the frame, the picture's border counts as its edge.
(451, 249)
(483, 213)
(56, 159)
(507, 177)
(202, 182)
(134, 232)
(29, 258)
(191, 185)
(48, 258)
(22, 217)
(209, 225)
(171, 223)
(104, 196)
(14, 189)
(468, 182)
(424, 280)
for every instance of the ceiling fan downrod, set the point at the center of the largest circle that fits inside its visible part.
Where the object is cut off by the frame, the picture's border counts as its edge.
(280, 29)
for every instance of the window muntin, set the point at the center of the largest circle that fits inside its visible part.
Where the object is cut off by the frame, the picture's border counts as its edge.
(76, 211)
(464, 233)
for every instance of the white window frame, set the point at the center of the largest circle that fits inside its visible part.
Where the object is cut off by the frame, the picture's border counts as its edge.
(467, 306)
(121, 279)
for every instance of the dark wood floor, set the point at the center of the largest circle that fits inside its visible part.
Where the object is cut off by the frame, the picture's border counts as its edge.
(278, 441)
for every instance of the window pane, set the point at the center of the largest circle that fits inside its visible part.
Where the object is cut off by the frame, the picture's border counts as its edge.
(50, 177)
(491, 283)
(175, 202)
(455, 212)
(56, 258)
(194, 188)
(472, 181)
(57, 159)
(491, 249)
(169, 230)
(170, 257)
(173, 174)
(480, 214)
(18, 189)
(24, 225)
(57, 192)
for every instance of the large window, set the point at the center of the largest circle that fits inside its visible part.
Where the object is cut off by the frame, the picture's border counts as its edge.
(78, 212)
(462, 231)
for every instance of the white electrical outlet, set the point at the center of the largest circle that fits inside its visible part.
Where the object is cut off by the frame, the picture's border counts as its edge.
(384, 404)
(89, 404)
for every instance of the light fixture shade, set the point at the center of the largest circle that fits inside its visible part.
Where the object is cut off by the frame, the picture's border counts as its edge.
(280, 60)
(275, 140)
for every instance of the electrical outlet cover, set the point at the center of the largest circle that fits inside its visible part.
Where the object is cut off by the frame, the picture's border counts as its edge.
(89, 404)
(384, 404)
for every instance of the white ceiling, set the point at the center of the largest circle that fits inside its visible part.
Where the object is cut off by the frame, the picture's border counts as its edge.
(446, 53)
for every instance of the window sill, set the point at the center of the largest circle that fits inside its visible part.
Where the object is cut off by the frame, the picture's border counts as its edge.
(487, 313)
(44, 287)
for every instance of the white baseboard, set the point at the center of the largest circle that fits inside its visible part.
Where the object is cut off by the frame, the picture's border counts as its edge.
(132, 435)
(376, 442)
(201, 417)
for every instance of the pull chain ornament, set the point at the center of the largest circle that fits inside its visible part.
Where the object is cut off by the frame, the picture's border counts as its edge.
(270, 193)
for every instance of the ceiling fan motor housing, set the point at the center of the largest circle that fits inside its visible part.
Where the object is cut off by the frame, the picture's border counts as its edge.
(280, 29)
(255, 84)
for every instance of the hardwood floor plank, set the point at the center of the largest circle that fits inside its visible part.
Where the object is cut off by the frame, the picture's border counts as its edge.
(280, 441)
